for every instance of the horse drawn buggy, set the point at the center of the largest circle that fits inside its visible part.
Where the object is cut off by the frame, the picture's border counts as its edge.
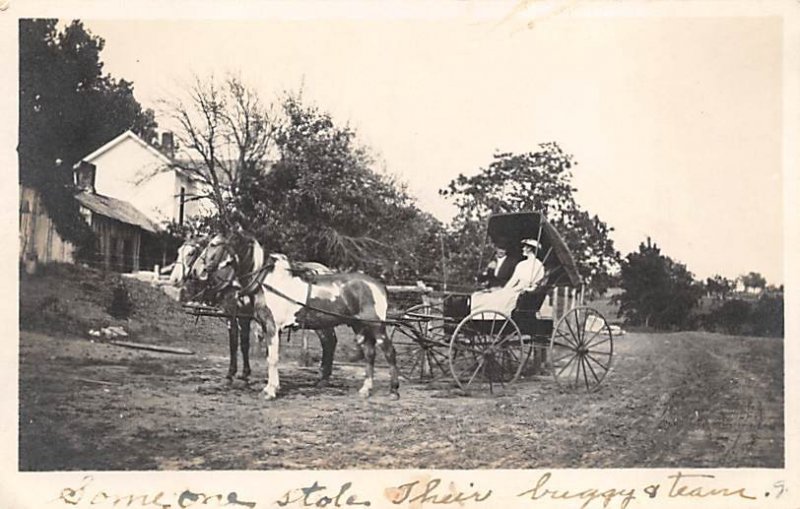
(548, 328)
(482, 340)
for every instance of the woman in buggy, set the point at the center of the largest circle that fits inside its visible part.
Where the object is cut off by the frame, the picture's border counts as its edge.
(528, 275)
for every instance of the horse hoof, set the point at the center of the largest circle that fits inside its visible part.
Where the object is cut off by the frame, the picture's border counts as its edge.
(322, 383)
(271, 392)
(364, 393)
(394, 396)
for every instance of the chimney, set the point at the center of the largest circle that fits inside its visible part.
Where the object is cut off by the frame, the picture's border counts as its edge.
(168, 144)
(84, 176)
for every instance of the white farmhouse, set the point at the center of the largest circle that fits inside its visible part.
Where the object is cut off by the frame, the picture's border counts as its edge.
(128, 169)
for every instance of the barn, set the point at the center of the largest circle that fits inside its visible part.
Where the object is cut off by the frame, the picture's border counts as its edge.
(124, 234)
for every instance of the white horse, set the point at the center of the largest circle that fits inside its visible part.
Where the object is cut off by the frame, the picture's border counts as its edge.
(239, 330)
(283, 299)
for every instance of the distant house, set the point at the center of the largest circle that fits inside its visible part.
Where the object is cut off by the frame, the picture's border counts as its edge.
(128, 169)
(127, 191)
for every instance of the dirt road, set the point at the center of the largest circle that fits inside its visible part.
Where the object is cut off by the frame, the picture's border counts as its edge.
(682, 399)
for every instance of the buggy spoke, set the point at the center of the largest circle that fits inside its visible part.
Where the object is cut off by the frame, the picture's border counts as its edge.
(581, 327)
(511, 353)
(501, 370)
(600, 352)
(594, 374)
(559, 359)
(585, 376)
(596, 333)
(572, 331)
(417, 358)
(598, 362)
(565, 366)
(568, 338)
(480, 366)
(605, 340)
(433, 354)
(565, 347)
(593, 336)
(503, 341)
(500, 333)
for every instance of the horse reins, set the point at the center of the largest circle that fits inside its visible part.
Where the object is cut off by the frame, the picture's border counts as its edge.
(323, 311)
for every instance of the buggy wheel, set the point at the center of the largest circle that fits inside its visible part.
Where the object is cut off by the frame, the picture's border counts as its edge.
(420, 341)
(487, 352)
(581, 349)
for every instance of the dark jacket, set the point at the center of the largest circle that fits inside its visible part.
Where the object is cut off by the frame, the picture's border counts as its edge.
(504, 274)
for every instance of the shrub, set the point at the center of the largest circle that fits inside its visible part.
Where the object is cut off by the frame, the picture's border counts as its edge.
(731, 317)
(763, 317)
(121, 304)
(767, 316)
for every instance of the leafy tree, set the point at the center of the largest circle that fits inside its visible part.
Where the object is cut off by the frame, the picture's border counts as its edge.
(720, 286)
(531, 181)
(299, 182)
(657, 291)
(754, 280)
(323, 201)
(68, 108)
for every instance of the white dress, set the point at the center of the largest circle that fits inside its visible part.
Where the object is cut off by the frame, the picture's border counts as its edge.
(526, 275)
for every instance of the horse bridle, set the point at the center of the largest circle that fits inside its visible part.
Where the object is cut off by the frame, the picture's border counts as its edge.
(231, 280)
(186, 268)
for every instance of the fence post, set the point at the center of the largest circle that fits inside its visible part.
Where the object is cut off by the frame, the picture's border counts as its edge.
(556, 314)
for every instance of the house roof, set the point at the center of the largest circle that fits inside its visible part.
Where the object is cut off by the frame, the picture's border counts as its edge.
(127, 135)
(115, 209)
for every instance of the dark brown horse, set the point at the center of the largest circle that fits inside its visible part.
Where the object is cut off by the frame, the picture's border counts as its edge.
(227, 299)
(282, 299)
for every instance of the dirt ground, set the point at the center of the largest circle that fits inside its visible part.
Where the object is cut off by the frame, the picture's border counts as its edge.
(681, 399)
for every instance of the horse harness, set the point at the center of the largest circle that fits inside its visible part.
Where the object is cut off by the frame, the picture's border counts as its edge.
(259, 275)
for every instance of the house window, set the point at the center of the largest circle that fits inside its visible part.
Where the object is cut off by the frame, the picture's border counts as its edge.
(85, 176)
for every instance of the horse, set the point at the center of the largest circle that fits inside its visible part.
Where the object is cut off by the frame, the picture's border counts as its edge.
(283, 299)
(242, 309)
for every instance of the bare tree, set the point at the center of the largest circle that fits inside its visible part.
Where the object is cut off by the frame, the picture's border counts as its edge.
(227, 135)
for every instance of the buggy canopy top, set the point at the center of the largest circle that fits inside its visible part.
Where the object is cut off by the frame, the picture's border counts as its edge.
(507, 230)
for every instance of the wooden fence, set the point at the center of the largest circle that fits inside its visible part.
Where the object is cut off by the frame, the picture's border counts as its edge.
(39, 240)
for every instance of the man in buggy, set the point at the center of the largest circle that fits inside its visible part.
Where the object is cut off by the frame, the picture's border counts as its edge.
(528, 276)
(500, 270)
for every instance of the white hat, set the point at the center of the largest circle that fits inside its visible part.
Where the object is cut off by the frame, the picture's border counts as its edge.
(530, 242)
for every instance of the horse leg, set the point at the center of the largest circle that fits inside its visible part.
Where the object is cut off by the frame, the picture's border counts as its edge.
(233, 344)
(367, 343)
(327, 339)
(391, 357)
(270, 329)
(244, 338)
(273, 378)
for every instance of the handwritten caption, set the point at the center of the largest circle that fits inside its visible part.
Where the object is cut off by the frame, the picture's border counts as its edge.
(544, 491)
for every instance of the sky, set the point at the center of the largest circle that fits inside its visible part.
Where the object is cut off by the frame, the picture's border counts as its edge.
(675, 122)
